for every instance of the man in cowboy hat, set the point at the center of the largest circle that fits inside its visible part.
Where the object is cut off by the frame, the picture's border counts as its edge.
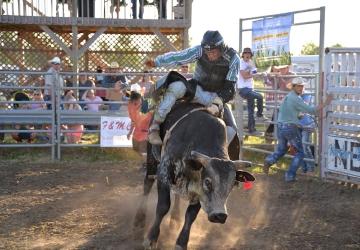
(51, 81)
(289, 127)
(245, 85)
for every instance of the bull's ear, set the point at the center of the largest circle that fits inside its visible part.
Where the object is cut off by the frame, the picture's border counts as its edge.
(197, 157)
(243, 176)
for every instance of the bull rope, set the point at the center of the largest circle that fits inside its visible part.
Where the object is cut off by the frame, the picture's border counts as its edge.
(168, 132)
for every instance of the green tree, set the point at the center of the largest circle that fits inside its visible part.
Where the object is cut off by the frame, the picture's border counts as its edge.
(337, 45)
(310, 49)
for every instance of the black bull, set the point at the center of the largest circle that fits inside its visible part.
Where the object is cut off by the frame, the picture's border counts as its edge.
(195, 163)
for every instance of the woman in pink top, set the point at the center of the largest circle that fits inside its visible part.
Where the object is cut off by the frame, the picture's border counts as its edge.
(93, 102)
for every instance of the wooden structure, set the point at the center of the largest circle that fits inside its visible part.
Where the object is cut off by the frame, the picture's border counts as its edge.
(34, 31)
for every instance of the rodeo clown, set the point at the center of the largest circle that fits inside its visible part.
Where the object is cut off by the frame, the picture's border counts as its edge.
(213, 84)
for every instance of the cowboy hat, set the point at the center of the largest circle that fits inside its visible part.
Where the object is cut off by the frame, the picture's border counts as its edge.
(246, 50)
(296, 81)
(55, 60)
(114, 65)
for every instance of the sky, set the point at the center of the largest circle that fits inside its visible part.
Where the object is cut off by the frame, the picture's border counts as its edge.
(341, 20)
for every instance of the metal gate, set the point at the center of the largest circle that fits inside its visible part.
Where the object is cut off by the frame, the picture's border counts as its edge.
(341, 121)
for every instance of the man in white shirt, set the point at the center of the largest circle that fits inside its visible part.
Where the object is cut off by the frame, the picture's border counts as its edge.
(51, 81)
(245, 84)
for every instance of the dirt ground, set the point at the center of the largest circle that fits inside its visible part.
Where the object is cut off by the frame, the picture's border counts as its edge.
(91, 205)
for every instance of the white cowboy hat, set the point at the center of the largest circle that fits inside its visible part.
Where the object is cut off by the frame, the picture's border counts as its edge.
(114, 65)
(55, 60)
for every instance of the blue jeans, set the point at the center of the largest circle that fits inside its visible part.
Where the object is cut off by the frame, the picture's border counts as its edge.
(306, 138)
(288, 133)
(250, 95)
(114, 106)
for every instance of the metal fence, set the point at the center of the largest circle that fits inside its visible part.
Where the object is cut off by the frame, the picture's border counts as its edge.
(268, 140)
(86, 9)
(17, 116)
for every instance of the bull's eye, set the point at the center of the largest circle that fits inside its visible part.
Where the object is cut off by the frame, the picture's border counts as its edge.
(207, 185)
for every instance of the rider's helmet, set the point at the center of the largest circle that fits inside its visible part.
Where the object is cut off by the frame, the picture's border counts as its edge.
(212, 40)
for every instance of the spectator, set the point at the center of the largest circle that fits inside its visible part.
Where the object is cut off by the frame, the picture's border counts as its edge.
(162, 8)
(146, 87)
(39, 104)
(99, 79)
(26, 136)
(140, 123)
(75, 136)
(86, 8)
(115, 6)
(93, 102)
(38, 100)
(84, 82)
(276, 76)
(246, 90)
(134, 8)
(289, 128)
(116, 94)
(116, 76)
(308, 126)
(3, 106)
(50, 80)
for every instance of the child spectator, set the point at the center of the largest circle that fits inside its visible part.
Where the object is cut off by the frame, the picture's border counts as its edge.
(308, 126)
(140, 123)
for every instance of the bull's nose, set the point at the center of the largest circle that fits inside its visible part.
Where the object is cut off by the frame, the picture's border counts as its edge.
(217, 218)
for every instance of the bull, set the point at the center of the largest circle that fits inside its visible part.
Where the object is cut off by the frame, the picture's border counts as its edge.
(194, 163)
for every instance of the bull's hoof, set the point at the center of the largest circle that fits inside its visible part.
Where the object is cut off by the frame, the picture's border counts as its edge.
(177, 247)
(149, 245)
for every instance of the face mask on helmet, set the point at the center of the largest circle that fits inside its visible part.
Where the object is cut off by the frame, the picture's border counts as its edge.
(212, 40)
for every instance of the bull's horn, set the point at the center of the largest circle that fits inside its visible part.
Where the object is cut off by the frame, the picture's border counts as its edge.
(243, 164)
(203, 159)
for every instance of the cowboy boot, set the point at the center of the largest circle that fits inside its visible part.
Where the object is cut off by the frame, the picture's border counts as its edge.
(154, 133)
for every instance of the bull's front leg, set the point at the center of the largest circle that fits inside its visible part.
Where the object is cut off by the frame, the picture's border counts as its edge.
(163, 206)
(190, 216)
(151, 167)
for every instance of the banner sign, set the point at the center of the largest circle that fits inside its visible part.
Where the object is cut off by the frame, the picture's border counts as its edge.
(343, 155)
(270, 41)
(114, 131)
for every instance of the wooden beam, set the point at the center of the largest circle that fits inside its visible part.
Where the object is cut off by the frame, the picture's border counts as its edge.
(164, 39)
(88, 43)
(56, 39)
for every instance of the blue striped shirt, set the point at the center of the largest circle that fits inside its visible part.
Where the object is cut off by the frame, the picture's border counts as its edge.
(175, 58)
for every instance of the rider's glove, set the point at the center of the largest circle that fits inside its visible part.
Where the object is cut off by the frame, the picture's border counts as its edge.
(216, 107)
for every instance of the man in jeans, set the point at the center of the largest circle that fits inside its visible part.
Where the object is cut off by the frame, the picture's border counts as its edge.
(245, 85)
(289, 130)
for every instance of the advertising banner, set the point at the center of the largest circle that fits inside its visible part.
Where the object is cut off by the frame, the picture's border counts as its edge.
(343, 156)
(270, 41)
(114, 132)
